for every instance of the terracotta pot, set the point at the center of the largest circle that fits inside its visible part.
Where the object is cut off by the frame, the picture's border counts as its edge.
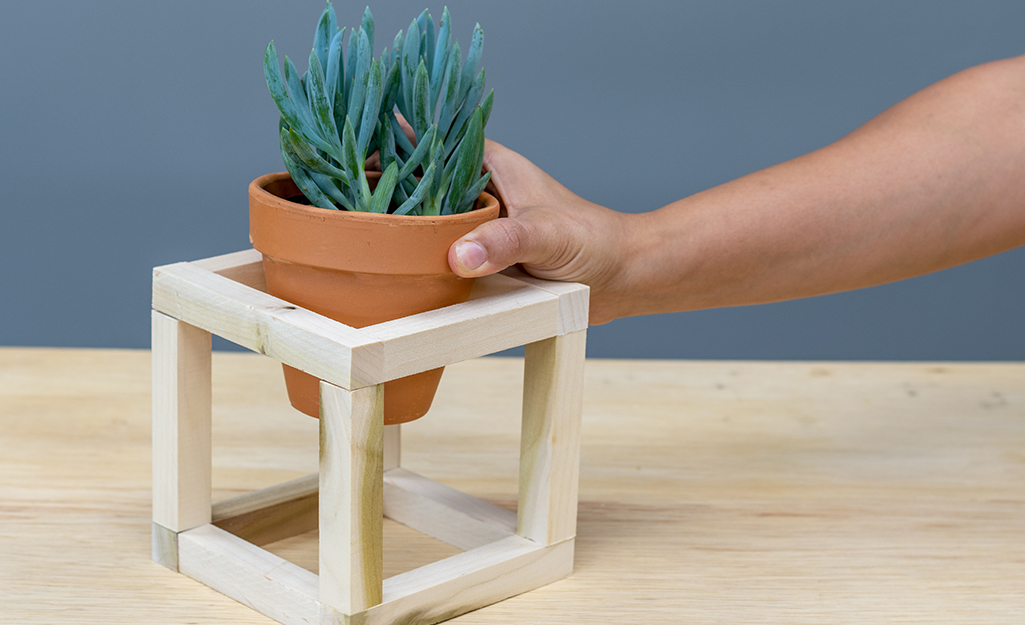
(359, 269)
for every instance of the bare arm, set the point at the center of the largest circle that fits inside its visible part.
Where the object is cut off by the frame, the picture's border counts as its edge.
(935, 181)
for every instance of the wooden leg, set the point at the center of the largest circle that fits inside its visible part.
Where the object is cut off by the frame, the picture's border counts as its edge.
(351, 497)
(392, 446)
(181, 424)
(550, 439)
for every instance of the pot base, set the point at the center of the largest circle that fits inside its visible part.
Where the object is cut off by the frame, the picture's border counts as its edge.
(405, 399)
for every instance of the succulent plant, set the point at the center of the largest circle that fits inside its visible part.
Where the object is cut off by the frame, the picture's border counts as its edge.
(343, 108)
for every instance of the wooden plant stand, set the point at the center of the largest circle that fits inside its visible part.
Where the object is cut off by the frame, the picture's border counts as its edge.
(360, 480)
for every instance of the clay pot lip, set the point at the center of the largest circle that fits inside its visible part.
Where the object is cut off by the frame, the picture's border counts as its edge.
(258, 191)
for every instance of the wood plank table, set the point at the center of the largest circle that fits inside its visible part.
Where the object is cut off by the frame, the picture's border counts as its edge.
(711, 492)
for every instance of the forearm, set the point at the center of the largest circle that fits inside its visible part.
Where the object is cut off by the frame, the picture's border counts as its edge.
(937, 180)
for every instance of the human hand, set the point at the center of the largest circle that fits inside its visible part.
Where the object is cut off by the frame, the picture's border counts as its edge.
(552, 232)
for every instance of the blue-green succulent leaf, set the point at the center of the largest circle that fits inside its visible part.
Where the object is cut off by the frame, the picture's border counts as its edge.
(350, 158)
(451, 102)
(486, 105)
(410, 60)
(401, 139)
(418, 194)
(327, 185)
(472, 194)
(276, 84)
(368, 26)
(350, 65)
(371, 109)
(305, 183)
(335, 66)
(441, 50)
(303, 154)
(469, 107)
(428, 42)
(391, 88)
(326, 27)
(298, 91)
(387, 141)
(421, 120)
(321, 106)
(358, 89)
(423, 148)
(467, 166)
(472, 61)
(385, 188)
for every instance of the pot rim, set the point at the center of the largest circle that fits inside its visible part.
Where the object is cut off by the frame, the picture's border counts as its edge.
(258, 189)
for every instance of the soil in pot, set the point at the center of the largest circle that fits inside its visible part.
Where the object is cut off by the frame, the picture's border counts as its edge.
(359, 269)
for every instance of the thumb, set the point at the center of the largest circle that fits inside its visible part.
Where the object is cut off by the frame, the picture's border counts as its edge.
(495, 245)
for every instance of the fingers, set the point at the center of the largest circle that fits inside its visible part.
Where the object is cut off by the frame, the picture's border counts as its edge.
(498, 244)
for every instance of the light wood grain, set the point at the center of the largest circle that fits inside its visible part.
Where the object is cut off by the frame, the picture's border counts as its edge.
(245, 267)
(711, 492)
(267, 325)
(444, 513)
(553, 386)
(271, 514)
(181, 424)
(574, 299)
(392, 446)
(249, 575)
(463, 331)
(351, 498)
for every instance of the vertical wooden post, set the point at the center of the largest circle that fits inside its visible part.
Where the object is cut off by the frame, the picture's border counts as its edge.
(181, 424)
(392, 446)
(351, 496)
(553, 381)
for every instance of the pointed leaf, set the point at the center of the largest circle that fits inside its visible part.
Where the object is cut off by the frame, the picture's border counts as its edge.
(472, 61)
(416, 159)
(326, 27)
(276, 84)
(335, 66)
(385, 189)
(469, 107)
(303, 154)
(305, 183)
(418, 194)
(451, 105)
(467, 168)
(410, 61)
(428, 42)
(485, 107)
(441, 50)
(350, 159)
(390, 90)
(361, 73)
(371, 108)
(321, 106)
(368, 26)
(472, 194)
(401, 140)
(421, 107)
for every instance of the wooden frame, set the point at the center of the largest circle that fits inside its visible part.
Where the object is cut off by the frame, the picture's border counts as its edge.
(361, 479)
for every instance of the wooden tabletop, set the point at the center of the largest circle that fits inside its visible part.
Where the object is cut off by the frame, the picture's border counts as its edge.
(711, 492)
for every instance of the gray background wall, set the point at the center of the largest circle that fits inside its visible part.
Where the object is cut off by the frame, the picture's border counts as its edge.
(130, 131)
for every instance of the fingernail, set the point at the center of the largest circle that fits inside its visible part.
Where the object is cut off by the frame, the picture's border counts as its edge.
(470, 255)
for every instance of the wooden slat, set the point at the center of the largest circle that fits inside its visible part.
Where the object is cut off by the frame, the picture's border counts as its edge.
(245, 267)
(456, 333)
(574, 299)
(267, 325)
(181, 424)
(259, 579)
(444, 513)
(165, 546)
(468, 581)
(550, 438)
(260, 499)
(351, 499)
